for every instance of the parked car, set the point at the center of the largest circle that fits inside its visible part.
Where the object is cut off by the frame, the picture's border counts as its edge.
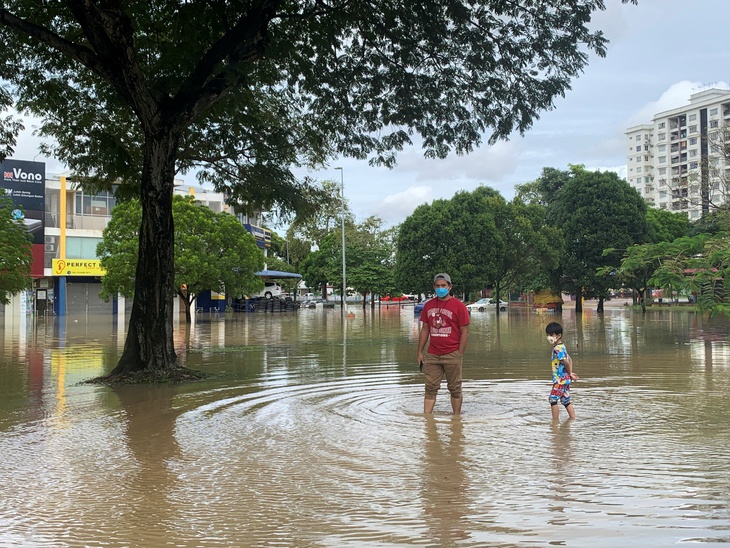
(270, 290)
(486, 303)
(401, 299)
(419, 306)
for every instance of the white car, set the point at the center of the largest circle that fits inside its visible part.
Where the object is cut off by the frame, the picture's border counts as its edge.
(483, 304)
(270, 290)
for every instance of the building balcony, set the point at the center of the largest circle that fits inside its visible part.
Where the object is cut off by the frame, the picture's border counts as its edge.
(87, 222)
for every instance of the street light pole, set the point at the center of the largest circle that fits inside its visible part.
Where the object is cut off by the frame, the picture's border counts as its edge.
(344, 268)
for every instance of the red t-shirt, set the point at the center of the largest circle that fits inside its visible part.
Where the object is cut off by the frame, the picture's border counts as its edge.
(444, 319)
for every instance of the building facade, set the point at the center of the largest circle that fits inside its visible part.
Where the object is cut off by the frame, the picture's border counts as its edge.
(680, 161)
(66, 271)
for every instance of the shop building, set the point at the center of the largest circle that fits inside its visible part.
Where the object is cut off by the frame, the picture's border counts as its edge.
(66, 224)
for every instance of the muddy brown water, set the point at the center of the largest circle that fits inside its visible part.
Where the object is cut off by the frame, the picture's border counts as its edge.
(311, 434)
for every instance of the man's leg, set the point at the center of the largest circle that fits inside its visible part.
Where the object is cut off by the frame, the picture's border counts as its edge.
(434, 372)
(452, 370)
(428, 405)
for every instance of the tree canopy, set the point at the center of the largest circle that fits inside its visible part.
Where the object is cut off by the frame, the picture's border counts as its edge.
(15, 252)
(133, 92)
(9, 126)
(595, 211)
(458, 236)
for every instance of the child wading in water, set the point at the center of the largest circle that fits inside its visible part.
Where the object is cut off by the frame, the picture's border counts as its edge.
(563, 374)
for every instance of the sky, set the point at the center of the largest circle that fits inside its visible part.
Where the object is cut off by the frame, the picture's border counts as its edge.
(660, 52)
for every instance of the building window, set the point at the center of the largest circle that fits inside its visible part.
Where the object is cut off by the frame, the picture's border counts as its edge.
(662, 136)
(81, 248)
(662, 171)
(662, 125)
(693, 129)
(693, 117)
(713, 112)
(713, 123)
(638, 170)
(662, 148)
(693, 153)
(693, 141)
(100, 204)
(638, 148)
(638, 137)
(662, 159)
(693, 165)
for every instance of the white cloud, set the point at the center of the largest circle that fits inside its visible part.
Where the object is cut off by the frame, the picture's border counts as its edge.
(394, 208)
(485, 164)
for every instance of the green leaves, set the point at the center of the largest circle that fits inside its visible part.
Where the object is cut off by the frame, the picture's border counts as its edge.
(213, 251)
(255, 89)
(15, 252)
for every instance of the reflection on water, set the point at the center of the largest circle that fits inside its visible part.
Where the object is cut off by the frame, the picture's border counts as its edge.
(310, 434)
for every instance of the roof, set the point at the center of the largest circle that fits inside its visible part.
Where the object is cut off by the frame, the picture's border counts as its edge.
(277, 274)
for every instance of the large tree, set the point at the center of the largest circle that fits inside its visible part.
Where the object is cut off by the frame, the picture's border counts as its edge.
(596, 211)
(134, 92)
(458, 236)
(213, 251)
(15, 251)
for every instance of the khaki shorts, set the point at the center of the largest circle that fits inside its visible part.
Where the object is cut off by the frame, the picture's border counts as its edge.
(436, 367)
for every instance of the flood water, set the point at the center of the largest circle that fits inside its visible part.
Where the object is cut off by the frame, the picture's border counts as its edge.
(311, 433)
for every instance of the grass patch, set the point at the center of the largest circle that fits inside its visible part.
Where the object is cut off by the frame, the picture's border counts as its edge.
(166, 376)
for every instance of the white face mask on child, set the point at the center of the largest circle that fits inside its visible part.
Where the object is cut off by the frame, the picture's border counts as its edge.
(552, 339)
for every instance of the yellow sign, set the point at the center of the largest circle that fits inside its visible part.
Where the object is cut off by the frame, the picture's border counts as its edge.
(77, 267)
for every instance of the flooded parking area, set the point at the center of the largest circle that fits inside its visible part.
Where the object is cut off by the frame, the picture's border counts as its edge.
(309, 432)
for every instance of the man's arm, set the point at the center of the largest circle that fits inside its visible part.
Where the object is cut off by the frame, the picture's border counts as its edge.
(464, 337)
(422, 339)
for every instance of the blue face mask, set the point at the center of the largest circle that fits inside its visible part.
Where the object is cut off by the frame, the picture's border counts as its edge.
(441, 291)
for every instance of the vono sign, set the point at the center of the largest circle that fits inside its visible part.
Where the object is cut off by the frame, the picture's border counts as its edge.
(17, 174)
(25, 176)
(24, 183)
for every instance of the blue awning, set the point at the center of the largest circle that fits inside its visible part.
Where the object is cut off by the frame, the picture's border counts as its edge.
(277, 274)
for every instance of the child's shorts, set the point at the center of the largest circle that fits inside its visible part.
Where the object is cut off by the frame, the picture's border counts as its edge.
(560, 392)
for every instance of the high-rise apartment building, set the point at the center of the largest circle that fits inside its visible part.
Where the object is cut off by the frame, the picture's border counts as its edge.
(680, 161)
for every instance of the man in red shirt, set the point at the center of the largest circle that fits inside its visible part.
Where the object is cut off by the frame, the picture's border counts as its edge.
(445, 324)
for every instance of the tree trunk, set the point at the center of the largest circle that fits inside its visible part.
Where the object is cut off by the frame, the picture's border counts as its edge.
(496, 290)
(149, 344)
(600, 304)
(579, 301)
(188, 306)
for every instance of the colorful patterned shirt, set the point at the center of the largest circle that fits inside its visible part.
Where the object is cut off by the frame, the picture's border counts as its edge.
(560, 372)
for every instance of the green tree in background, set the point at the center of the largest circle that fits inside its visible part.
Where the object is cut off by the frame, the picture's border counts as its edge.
(666, 226)
(135, 92)
(531, 248)
(595, 211)
(213, 251)
(458, 236)
(368, 259)
(15, 252)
